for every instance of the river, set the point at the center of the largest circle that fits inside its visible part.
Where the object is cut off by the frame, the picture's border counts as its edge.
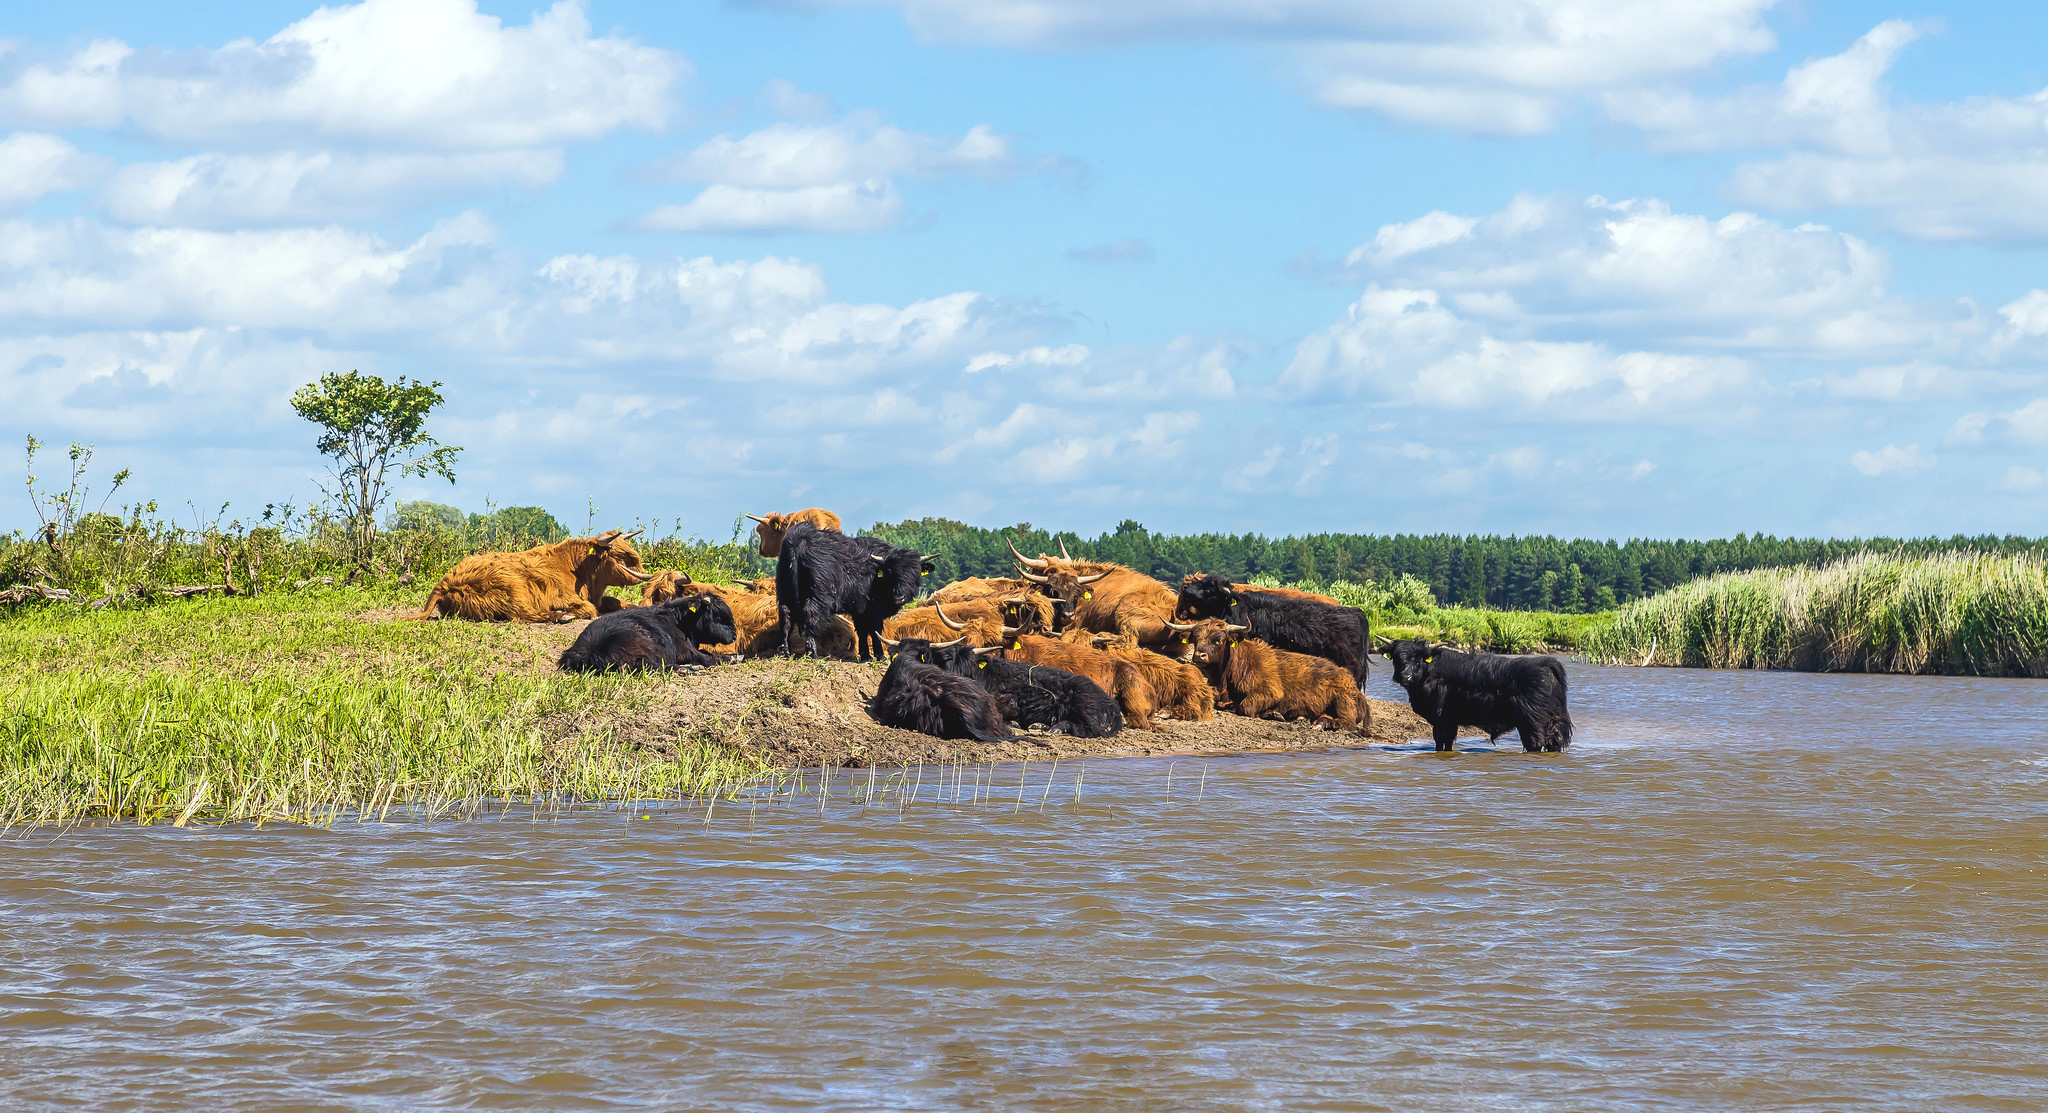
(1735, 891)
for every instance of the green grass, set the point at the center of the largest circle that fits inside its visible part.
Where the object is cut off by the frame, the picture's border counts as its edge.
(306, 708)
(1963, 613)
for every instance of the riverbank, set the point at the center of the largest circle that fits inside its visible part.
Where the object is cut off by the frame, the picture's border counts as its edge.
(306, 706)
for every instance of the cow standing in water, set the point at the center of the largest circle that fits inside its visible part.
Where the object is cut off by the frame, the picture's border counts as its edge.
(1497, 694)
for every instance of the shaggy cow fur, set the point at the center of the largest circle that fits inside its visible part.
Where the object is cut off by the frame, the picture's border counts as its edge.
(1497, 694)
(547, 583)
(821, 573)
(915, 695)
(1123, 681)
(1268, 683)
(651, 639)
(771, 529)
(979, 621)
(1032, 695)
(1293, 622)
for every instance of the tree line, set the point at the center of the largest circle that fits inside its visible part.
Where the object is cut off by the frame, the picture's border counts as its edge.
(1509, 573)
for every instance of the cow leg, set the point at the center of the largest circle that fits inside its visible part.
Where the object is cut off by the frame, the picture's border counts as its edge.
(1446, 735)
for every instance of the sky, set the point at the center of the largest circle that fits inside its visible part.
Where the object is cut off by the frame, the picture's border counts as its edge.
(1594, 268)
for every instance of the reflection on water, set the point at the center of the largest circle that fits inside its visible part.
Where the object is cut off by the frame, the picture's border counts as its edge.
(1736, 891)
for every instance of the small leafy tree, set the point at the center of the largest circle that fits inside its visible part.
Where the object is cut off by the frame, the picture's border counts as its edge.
(371, 428)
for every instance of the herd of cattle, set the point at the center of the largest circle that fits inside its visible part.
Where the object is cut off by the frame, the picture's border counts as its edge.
(1081, 647)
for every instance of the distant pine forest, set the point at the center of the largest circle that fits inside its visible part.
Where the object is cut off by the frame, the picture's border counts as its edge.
(1508, 573)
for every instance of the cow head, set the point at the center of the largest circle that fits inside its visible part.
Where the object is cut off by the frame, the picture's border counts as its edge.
(607, 560)
(663, 585)
(1067, 586)
(1206, 596)
(769, 529)
(923, 650)
(1181, 637)
(1213, 643)
(1411, 659)
(1046, 612)
(704, 619)
(900, 572)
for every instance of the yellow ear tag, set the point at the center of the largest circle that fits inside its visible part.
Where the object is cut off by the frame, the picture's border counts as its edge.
(879, 575)
(1429, 660)
(1017, 645)
(981, 664)
(593, 550)
(1087, 595)
(1235, 642)
(693, 608)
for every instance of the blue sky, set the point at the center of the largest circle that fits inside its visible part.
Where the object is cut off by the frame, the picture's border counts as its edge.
(1587, 267)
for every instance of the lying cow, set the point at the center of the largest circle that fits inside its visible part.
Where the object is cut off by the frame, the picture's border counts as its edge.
(547, 583)
(1123, 681)
(920, 696)
(1178, 688)
(755, 616)
(1497, 694)
(770, 530)
(980, 622)
(821, 573)
(1296, 623)
(1031, 695)
(1269, 683)
(651, 639)
(1106, 598)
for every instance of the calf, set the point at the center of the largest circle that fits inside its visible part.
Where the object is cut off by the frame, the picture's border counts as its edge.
(651, 639)
(1123, 681)
(1269, 683)
(822, 572)
(1179, 689)
(920, 696)
(1297, 623)
(547, 583)
(1497, 694)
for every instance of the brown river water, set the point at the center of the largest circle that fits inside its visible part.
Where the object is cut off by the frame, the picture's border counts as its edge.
(1736, 891)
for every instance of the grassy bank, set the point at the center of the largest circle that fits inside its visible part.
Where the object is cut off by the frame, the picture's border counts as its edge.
(308, 706)
(1962, 613)
(1405, 608)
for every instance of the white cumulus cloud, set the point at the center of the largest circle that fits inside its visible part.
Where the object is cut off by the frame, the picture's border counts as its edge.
(33, 166)
(1973, 169)
(1891, 460)
(215, 190)
(1496, 66)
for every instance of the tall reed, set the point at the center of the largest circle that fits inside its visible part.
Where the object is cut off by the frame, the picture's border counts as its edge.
(1962, 613)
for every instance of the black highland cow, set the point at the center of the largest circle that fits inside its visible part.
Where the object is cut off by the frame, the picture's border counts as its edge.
(1497, 694)
(1338, 634)
(822, 572)
(652, 639)
(923, 697)
(1032, 695)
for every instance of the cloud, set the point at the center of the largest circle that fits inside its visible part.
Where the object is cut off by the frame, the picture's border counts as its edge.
(1493, 66)
(2020, 478)
(839, 177)
(33, 166)
(433, 74)
(1040, 356)
(846, 208)
(2027, 425)
(1138, 250)
(216, 190)
(1891, 460)
(1634, 271)
(1970, 170)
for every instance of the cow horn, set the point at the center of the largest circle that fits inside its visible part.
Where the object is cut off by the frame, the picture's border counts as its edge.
(1089, 579)
(1180, 625)
(1382, 640)
(950, 624)
(1228, 626)
(638, 577)
(948, 645)
(988, 649)
(607, 536)
(1012, 631)
(1021, 558)
(878, 558)
(889, 643)
(758, 518)
(1063, 549)
(1035, 579)
(635, 533)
